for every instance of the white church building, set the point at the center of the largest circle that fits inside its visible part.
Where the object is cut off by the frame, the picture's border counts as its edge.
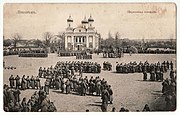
(82, 37)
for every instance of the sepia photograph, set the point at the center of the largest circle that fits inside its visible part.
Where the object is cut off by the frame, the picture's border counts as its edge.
(89, 57)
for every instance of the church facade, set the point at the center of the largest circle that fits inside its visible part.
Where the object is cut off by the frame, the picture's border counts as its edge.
(82, 37)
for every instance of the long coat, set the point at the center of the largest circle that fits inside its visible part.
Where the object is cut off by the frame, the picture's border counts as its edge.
(11, 80)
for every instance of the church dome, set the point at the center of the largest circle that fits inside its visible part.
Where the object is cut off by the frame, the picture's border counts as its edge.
(70, 19)
(91, 19)
(84, 21)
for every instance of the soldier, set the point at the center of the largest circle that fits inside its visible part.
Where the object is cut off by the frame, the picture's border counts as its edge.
(110, 94)
(57, 83)
(40, 72)
(28, 82)
(37, 82)
(68, 88)
(105, 95)
(32, 82)
(46, 86)
(145, 76)
(16, 94)
(83, 88)
(63, 85)
(23, 83)
(18, 84)
(98, 88)
(11, 80)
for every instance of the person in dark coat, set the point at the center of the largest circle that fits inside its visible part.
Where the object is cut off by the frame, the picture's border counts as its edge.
(16, 94)
(37, 82)
(68, 88)
(83, 88)
(11, 80)
(24, 105)
(5, 95)
(23, 83)
(18, 83)
(145, 76)
(105, 96)
(110, 94)
(32, 82)
(57, 83)
(28, 82)
(63, 85)
(46, 86)
(10, 96)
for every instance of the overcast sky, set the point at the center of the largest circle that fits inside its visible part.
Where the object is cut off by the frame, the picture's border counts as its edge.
(160, 24)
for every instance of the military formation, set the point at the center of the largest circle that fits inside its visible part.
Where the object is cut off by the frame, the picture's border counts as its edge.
(24, 82)
(80, 56)
(67, 69)
(107, 66)
(134, 67)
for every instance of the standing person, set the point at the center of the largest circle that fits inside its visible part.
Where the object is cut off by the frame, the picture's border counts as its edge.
(110, 94)
(40, 72)
(11, 80)
(105, 95)
(57, 83)
(37, 82)
(16, 94)
(145, 76)
(32, 82)
(46, 86)
(68, 88)
(28, 82)
(18, 84)
(23, 83)
(83, 88)
(63, 85)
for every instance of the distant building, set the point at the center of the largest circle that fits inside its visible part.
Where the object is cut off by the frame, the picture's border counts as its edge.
(82, 37)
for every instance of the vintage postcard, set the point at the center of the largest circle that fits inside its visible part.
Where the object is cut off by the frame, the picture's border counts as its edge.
(89, 57)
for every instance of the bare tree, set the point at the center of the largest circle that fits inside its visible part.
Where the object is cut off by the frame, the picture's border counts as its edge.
(16, 38)
(47, 38)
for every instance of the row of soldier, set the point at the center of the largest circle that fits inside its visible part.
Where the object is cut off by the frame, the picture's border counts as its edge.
(133, 67)
(66, 69)
(80, 85)
(25, 82)
(39, 101)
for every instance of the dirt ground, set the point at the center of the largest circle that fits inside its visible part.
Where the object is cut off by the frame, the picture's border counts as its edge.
(129, 89)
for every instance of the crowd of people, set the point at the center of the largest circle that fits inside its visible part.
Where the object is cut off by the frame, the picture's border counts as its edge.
(133, 67)
(24, 82)
(38, 102)
(67, 69)
(85, 56)
(169, 91)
